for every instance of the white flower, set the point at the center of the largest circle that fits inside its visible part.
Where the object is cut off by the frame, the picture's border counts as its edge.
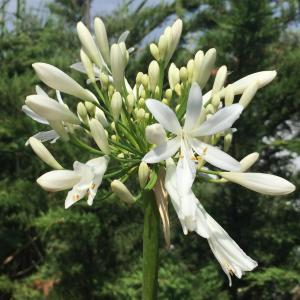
(193, 217)
(231, 257)
(262, 183)
(83, 181)
(187, 136)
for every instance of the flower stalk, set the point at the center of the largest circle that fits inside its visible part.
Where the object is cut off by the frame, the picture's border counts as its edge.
(150, 247)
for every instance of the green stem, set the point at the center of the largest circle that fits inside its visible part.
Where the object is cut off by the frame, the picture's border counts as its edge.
(150, 247)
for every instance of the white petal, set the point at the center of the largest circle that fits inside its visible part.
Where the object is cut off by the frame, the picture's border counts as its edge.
(163, 151)
(99, 166)
(186, 169)
(164, 115)
(261, 183)
(194, 106)
(78, 67)
(31, 114)
(215, 156)
(45, 136)
(40, 91)
(123, 36)
(248, 161)
(58, 180)
(220, 121)
(191, 218)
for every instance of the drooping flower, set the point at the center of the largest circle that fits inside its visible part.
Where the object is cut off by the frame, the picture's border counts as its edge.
(187, 137)
(83, 181)
(193, 217)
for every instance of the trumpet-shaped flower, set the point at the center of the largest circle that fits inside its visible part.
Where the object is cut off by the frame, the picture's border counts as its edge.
(187, 137)
(193, 217)
(83, 181)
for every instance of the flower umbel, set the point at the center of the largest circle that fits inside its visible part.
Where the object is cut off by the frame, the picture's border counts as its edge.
(160, 139)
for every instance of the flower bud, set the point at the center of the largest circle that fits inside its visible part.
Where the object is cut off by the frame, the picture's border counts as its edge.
(130, 102)
(177, 89)
(140, 114)
(88, 66)
(100, 116)
(88, 44)
(197, 69)
(207, 66)
(145, 81)
(141, 102)
(121, 155)
(58, 80)
(248, 94)
(91, 108)
(101, 39)
(155, 134)
(104, 80)
(262, 183)
(43, 153)
(50, 109)
(153, 72)
(116, 105)
(216, 100)
(229, 95)
(219, 80)
(165, 101)
(113, 126)
(114, 138)
(248, 161)
(117, 66)
(227, 141)
(190, 69)
(144, 173)
(122, 191)
(82, 112)
(183, 74)
(154, 51)
(139, 78)
(173, 76)
(210, 109)
(99, 136)
(162, 46)
(168, 94)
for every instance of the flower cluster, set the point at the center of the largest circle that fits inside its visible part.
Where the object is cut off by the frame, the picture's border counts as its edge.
(165, 131)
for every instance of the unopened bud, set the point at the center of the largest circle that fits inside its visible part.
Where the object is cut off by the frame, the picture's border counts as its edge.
(113, 126)
(198, 62)
(99, 136)
(145, 81)
(207, 66)
(88, 66)
(90, 108)
(165, 101)
(100, 116)
(114, 138)
(219, 80)
(116, 105)
(139, 78)
(216, 100)
(101, 39)
(227, 141)
(229, 95)
(177, 89)
(154, 51)
(168, 94)
(144, 173)
(141, 102)
(162, 46)
(140, 114)
(104, 80)
(81, 111)
(130, 102)
(43, 153)
(155, 134)
(248, 94)
(173, 76)
(190, 69)
(153, 72)
(210, 109)
(118, 64)
(183, 73)
(248, 161)
(122, 191)
(121, 155)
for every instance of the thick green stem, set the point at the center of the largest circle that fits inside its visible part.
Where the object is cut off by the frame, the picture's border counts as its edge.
(150, 247)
